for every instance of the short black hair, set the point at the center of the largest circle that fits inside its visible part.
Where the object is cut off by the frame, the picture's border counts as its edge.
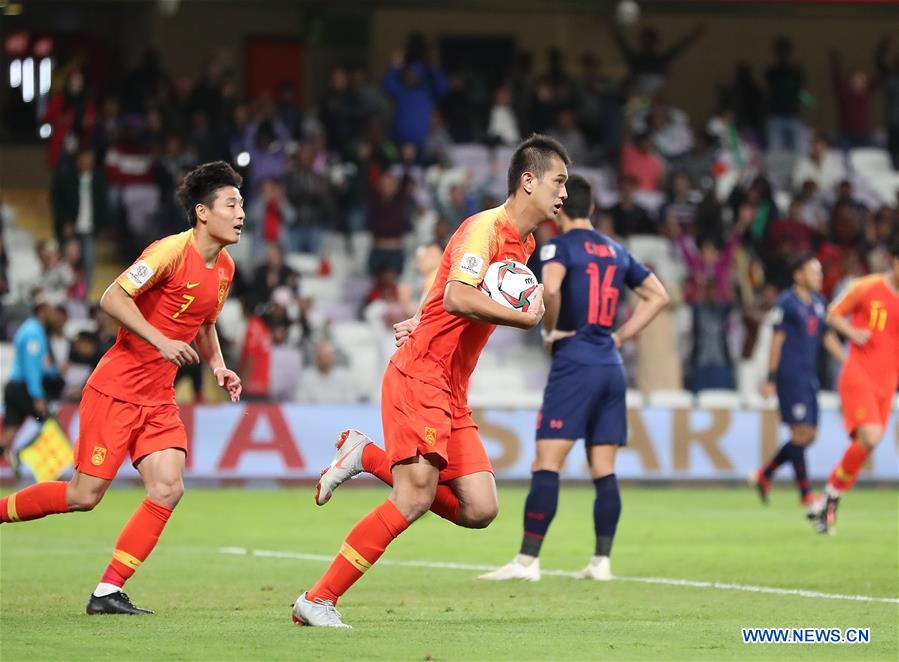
(800, 261)
(201, 183)
(580, 197)
(533, 155)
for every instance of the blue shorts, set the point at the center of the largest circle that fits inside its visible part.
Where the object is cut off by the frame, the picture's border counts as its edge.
(584, 402)
(798, 401)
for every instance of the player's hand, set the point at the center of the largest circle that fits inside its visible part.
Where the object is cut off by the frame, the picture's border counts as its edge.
(402, 330)
(553, 337)
(229, 381)
(532, 316)
(859, 336)
(177, 352)
(616, 340)
(40, 409)
(768, 390)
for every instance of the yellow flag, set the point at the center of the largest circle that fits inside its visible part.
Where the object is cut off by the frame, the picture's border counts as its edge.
(49, 454)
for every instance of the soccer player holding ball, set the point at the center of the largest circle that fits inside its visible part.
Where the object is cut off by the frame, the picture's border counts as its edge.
(169, 298)
(867, 314)
(434, 458)
(584, 273)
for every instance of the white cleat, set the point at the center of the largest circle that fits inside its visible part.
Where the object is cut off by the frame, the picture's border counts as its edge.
(317, 613)
(599, 569)
(515, 571)
(346, 464)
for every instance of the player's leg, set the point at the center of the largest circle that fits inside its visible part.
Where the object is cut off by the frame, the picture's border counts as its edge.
(82, 493)
(792, 413)
(606, 510)
(414, 484)
(803, 436)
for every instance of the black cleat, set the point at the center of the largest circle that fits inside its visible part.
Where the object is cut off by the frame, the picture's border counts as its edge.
(114, 603)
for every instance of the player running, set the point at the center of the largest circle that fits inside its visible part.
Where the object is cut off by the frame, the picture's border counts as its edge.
(792, 370)
(867, 314)
(584, 273)
(168, 298)
(434, 457)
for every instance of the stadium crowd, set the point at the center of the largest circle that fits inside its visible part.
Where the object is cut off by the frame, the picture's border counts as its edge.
(355, 193)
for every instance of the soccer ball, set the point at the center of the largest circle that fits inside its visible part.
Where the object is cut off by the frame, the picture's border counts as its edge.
(627, 12)
(511, 284)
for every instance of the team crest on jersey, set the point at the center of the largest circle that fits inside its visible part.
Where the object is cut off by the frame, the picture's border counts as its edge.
(223, 289)
(799, 411)
(548, 252)
(471, 264)
(139, 273)
(430, 436)
(98, 456)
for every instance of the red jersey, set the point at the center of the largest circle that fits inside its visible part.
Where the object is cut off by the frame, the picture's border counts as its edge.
(873, 304)
(444, 349)
(255, 361)
(177, 293)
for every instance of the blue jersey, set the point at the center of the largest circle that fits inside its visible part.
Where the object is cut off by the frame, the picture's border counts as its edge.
(803, 326)
(33, 360)
(596, 270)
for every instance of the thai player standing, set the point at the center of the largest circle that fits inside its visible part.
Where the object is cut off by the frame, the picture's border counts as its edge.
(584, 276)
(867, 314)
(793, 370)
(434, 457)
(168, 298)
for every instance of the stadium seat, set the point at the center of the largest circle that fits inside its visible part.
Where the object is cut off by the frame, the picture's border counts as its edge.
(635, 399)
(719, 399)
(7, 354)
(828, 401)
(779, 166)
(756, 402)
(670, 399)
(305, 264)
(874, 168)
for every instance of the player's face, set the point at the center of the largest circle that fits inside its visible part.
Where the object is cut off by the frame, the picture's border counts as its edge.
(550, 192)
(224, 219)
(813, 275)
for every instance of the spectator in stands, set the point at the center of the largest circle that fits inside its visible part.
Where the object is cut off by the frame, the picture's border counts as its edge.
(458, 110)
(256, 354)
(286, 365)
(670, 129)
(640, 161)
(83, 358)
(265, 140)
(854, 94)
(271, 274)
(438, 142)
(568, 133)
(389, 220)
(627, 216)
(369, 96)
(325, 382)
(79, 200)
(287, 108)
(649, 66)
(340, 112)
(747, 99)
(889, 74)
(785, 80)
(415, 87)
(131, 172)
(814, 214)
(711, 363)
(699, 163)
(71, 114)
(790, 237)
(503, 123)
(106, 130)
(755, 205)
(710, 264)
(56, 276)
(680, 206)
(309, 192)
(272, 219)
(459, 205)
(821, 165)
(77, 291)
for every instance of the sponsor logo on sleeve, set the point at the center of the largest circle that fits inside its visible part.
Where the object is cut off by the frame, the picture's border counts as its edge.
(139, 273)
(471, 264)
(548, 252)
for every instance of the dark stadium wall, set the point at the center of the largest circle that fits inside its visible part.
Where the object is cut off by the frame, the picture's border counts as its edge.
(728, 38)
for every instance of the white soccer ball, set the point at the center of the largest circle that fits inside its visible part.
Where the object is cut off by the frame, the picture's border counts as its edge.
(511, 284)
(627, 12)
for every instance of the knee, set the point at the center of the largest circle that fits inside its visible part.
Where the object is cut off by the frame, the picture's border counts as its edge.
(413, 503)
(478, 517)
(166, 492)
(83, 500)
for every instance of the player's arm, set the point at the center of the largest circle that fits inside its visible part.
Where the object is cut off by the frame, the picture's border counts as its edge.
(464, 300)
(119, 305)
(777, 344)
(402, 330)
(553, 275)
(653, 297)
(840, 311)
(834, 347)
(211, 351)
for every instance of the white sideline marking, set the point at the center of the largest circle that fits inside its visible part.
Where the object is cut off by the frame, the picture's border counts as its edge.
(441, 565)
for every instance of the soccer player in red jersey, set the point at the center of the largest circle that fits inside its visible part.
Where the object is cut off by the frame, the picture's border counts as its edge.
(434, 457)
(867, 314)
(168, 298)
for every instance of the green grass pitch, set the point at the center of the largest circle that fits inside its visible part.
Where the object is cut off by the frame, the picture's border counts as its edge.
(217, 606)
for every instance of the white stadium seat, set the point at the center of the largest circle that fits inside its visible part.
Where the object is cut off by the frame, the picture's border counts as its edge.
(671, 399)
(635, 399)
(719, 399)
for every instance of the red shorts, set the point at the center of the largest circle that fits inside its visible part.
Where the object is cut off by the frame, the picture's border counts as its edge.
(110, 428)
(420, 419)
(864, 402)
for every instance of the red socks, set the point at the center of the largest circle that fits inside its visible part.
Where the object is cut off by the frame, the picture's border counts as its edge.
(34, 502)
(844, 474)
(362, 547)
(446, 503)
(136, 541)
